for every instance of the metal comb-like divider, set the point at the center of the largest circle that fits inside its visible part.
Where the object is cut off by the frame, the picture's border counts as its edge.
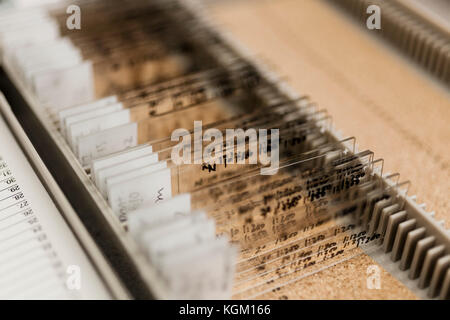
(425, 42)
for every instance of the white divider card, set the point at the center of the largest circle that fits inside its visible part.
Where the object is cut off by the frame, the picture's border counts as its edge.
(31, 4)
(56, 64)
(175, 239)
(93, 121)
(24, 34)
(119, 157)
(96, 124)
(86, 107)
(55, 72)
(79, 117)
(46, 59)
(37, 247)
(93, 125)
(65, 87)
(106, 142)
(192, 235)
(152, 215)
(204, 271)
(51, 62)
(11, 15)
(172, 226)
(146, 190)
(40, 50)
(22, 59)
(133, 174)
(123, 167)
(42, 56)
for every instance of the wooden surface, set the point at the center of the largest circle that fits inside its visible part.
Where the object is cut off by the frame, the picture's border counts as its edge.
(372, 92)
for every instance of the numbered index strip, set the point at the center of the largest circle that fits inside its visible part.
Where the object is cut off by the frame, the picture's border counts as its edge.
(29, 266)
